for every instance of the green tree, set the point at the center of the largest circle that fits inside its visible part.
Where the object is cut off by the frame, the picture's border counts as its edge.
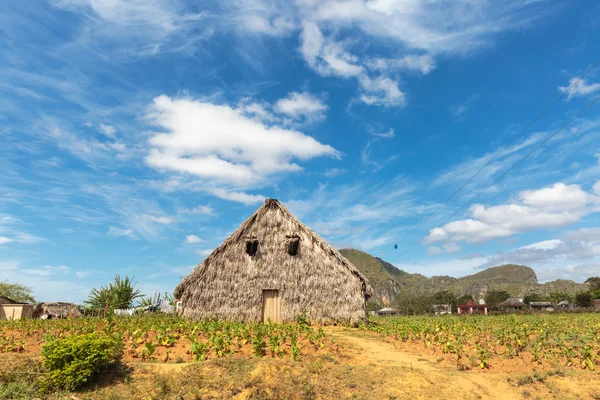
(493, 298)
(557, 297)
(412, 304)
(584, 299)
(535, 297)
(17, 292)
(464, 299)
(445, 297)
(594, 282)
(118, 294)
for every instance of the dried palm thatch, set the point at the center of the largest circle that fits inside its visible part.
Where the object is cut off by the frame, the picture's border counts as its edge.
(317, 281)
(56, 310)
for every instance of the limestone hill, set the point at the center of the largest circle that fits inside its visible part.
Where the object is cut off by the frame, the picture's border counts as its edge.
(518, 280)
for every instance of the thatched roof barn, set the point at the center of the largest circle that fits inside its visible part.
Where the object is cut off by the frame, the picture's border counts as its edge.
(273, 267)
(56, 310)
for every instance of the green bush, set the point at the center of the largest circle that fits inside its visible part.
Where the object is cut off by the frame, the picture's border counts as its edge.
(70, 362)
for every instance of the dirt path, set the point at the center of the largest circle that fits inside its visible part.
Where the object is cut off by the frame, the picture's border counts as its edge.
(448, 383)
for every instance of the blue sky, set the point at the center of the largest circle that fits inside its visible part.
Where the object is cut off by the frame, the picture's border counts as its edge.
(137, 135)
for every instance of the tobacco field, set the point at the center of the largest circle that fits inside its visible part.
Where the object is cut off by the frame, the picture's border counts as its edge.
(170, 338)
(571, 340)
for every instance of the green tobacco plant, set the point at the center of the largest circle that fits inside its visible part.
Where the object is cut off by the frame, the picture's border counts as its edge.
(72, 361)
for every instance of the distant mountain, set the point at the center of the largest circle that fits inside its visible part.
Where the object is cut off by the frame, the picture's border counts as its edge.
(518, 280)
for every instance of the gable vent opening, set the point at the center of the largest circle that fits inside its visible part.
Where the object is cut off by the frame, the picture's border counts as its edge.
(293, 246)
(251, 247)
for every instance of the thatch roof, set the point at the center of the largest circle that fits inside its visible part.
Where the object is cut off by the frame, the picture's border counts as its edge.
(56, 310)
(318, 280)
(541, 304)
(512, 302)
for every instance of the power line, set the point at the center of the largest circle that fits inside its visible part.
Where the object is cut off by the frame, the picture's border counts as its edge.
(498, 153)
(510, 169)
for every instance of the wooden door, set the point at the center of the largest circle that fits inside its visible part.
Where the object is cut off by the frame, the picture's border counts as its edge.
(271, 306)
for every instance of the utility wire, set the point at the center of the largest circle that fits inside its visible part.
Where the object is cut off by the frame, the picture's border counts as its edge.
(510, 169)
(498, 153)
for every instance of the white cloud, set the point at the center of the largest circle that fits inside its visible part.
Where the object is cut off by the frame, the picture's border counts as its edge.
(193, 239)
(108, 130)
(333, 34)
(329, 58)
(553, 255)
(389, 134)
(117, 232)
(198, 210)
(584, 235)
(161, 219)
(27, 238)
(464, 170)
(82, 274)
(258, 23)
(433, 250)
(260, 111)
(240, 197)
(544, 245)
(382, 91)
(437, 235)
(596, 188)
(582, 88)
(557, 197)
(423, 63)
(47, 270)
(11, 233)
(451, 247)
(333, 172)
(88, 149)
(299, 105)
(551, 207)
(221, 144)
(325, 56)
(148, 27)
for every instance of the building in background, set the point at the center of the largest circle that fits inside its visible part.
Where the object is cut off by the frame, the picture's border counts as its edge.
(472, 308)
(10, 309)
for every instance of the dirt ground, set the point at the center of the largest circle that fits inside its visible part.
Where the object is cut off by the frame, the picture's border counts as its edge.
(443, 378)
(363, 366)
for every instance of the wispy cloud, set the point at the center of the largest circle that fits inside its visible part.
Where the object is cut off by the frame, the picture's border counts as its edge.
(198, 210)
(424, 30)
(117, 232)
(48, 270)
(160, 219)
(582, 88)
(333, 172)
(107, 130)
(193, 239)
(385, 135)
(149, 26)
(301, 105)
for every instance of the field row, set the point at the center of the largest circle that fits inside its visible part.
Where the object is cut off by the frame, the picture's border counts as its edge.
(169, 338)
(566, 339)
